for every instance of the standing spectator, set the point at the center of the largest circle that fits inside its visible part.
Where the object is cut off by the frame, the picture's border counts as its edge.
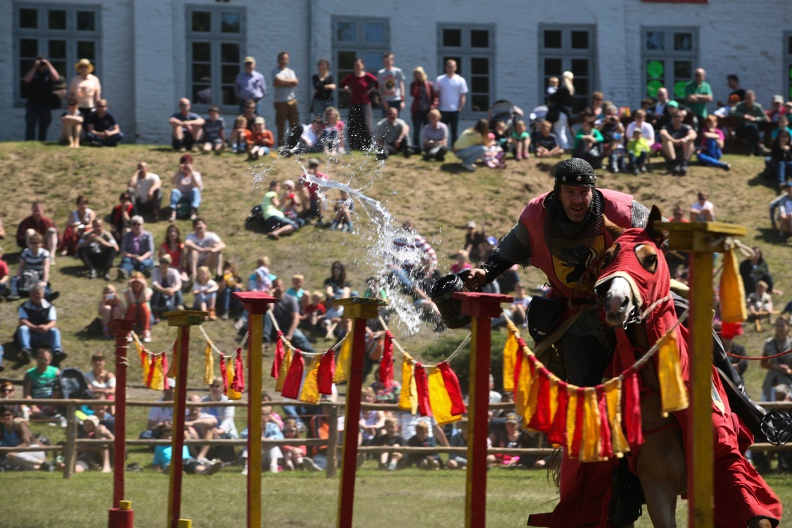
(187, 185)
(121, 215)
(204, 248)
(34, 269)
(451, 92)
(137, 249)
(97, 249)
(323, 88)
(472, 144)
(166, 284)
(72, 121)
(37, 320)
(16, 433)
(711, 144)
(138, 298)
(779, 368)
(102, 129)
(111, 306)
(205, 291)
(391, 85)
(697, 94)
(79, 222)
(287, 314)
(85, 87)
(781, 156)
(702, 209)
(101, 381)
(187, 127)
(423, 94)
(38, 223)
(250, 85)
(545, 143)
(174, 247)
(146, 187)
(784, 204)
(678, 143)
(434, 137)
(284, 80)
(38, 109)
(392, 135)
(560, 109)
(360, 84)
(749, 114)
(213, 136)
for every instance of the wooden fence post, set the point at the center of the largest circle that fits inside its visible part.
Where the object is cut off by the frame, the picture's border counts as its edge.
(332, 440)
(70, 448)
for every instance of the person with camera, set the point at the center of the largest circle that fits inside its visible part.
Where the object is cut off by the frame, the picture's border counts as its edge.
(40, 100)
(97, 249)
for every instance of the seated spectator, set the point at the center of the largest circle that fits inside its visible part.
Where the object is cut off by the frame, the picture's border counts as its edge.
(163, 454)
(261, 278)
(101, 127)
(612, 138)
(287, 316)
(199, 425)
(276, 223)
(204, 289)
(749, 114)
(187, 186)
(213, 136)
(90, 457)
(332, 324)
(784, 205)
(41, 383)
(783, 124)
(72, 121)
(138, 298)
(5, 277)
(371, 421)
(781, 156)
(78, 224)
(313, 201)
(261, 140)
(659, 115)
(250, 113)
(240, 138)
(33, 270)
(313, 313)
(760, 302)
(223, 415)
(166, 284)
(647, 131)
(545, 143)
(390, 438)
(725, 110)
(755, 269)
(292, 455)
(422, 439)
(230, 283)
(306, 138)
(8, 391)
(111, 307)
(271, 430)
(472, 144)
(337, 281)
(146, 188)
(588, 144)
(159, 416)
(121, 215)
(678, 143)
(37, 320)
(187, 127)
(344, 207)
(97, 249)
(38, 223)
(702, 209)
(595, 111)
(297, 291)
(518, 310)
(520, 141)
(779, 368)
(462, 262)
(290, 201)
(711, 144)
(776, 109)
(474, 241)
(333, 134)
(434, 137)
(16, 433)
(137, 249)
(174, 247)
(204, 248)
(638, 151)
(392, 135)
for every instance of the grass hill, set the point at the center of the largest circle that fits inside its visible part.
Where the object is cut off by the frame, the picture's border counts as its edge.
(439, 198)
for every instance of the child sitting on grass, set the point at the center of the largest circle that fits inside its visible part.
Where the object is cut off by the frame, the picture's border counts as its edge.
(214, 132)
(638, 151)
(205, 291)
(520, 141)
(240, 137)
(313, 312)
(343, 209)
(260, 140)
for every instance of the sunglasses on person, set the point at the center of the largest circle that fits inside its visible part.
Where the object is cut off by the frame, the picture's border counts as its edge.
(10, 390)
(182, 104)
(216, 386)
(7, 415)
(133, 225)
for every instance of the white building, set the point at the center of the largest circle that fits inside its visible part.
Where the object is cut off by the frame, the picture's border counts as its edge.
(149, 53)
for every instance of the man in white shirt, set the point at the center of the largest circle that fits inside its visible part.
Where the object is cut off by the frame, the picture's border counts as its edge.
(284, 80)
(451, 94)
(391, 85)
(146, 190)
(204, 248)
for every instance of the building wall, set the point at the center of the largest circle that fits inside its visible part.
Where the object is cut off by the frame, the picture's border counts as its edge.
(143, 48)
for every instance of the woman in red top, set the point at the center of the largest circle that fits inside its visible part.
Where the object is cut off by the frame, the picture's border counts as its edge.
(359, 85)
(119, 218)
(423, 94)
(174, 247)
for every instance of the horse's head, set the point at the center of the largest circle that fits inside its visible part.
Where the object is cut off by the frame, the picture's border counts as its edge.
(633, 272)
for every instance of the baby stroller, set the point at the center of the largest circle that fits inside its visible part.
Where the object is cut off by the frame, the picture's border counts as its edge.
(503, 110)
(74, 386)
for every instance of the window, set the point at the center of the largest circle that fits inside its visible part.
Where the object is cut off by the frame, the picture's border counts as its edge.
(64, 34)
(668, 58)
(215, 47)
(473, 49)
(788, 65)
(568, 48)
(353, 38)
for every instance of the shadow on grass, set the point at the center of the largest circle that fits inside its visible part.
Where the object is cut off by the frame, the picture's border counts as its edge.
(76, 270)
(766, 178)
(453, 168)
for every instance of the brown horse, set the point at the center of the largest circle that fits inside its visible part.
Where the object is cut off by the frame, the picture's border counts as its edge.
(633, 276)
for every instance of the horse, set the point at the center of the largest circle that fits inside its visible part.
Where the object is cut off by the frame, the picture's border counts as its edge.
(633, 282)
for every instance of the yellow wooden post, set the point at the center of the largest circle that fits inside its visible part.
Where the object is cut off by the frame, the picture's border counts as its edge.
(701, 240)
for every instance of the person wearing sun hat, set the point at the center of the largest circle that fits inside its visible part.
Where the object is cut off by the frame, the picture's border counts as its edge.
(85, 87)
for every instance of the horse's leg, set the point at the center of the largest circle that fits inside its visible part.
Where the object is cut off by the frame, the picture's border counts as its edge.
(661, 468)
(760, 523)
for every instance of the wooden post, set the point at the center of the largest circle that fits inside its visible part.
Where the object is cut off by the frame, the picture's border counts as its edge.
(121, 329)
(70, 449)
(701, 239)
(482, 307)
(256, 305)
(332, 440)
(358, 310)
(183, 319)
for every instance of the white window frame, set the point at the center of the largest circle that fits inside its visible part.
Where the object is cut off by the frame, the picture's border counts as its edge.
(43, 35)
(566, 53)
(215, 38)
(464, 55)
(669, 56)
(360, 48)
